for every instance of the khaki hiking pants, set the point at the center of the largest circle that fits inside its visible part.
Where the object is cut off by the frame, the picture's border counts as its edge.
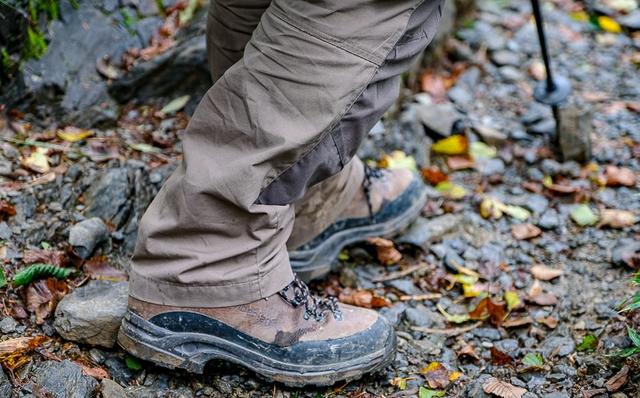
(298, 85)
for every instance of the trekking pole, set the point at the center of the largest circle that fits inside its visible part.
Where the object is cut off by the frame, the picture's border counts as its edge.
(571, 138)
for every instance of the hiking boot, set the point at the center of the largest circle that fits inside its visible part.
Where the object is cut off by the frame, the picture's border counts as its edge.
(291, 337)
(387, 203)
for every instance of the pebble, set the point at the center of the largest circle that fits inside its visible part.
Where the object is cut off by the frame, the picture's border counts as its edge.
(86, 235)
(92, 313)
(64, 379)
(5, 385)
(505, 57)
(423, 316)
(111, 389)
(563, 346)
(5, 231)
(487, 333)
(8, 325)
(510, 74)
(549, 220)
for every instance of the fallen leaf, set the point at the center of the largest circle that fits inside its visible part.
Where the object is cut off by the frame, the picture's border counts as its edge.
(457, 318)
(42, 297)
(436, 375)
(451, 190)
(74, 134)
(99, 268)
(175, 105)
(133, 363)
(517, 212)
(468, 351)
(563, 189)
(454, 145)
(512, 299)
(363, 298)
(456, 163)
(549, 321)
(502, 389)
(517, 322)
(13, 352)
(96, 372)
(533, 360)
(617, 176)
(491, 208)
(433, 175)
(400, 382)
(525, 231)
(593, 392)
(544, 273)
(385, 251)
(433, 84)
(618, 380)
(537, 296)
(6, 210)
(99, 150)
(616, 218)
(55, 257)
(500, 358)
(3, 278)
(429, 393)
(589, 343)
(609, 24)
(397, 160)
(583, 215)
(487, 308)
(144, 148)
(481, 151)
(38, 161)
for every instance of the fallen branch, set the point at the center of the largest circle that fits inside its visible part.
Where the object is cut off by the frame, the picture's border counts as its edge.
(447, 332)
(400, 274)
(421, 297)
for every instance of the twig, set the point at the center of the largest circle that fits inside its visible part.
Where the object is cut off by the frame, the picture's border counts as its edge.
(447, 332)
(421, 297)
(400, 274)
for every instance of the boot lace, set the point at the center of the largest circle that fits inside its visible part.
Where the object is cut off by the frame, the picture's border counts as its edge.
(314, 306)
(370, 174)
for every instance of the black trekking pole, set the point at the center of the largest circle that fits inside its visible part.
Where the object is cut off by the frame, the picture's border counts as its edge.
(571, 138)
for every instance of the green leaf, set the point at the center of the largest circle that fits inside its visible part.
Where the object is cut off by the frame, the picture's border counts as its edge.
(589, 343)
(39, 270)
(636, 278)
(517, 212)
(634, 335)
(632, 304)
(533, 360)
(45, 245)
(627, 352)
(175, 105)
(145, 148)
(480, 151)
(3, 278)
(458, 318)
(429, 393)
(133, 363)
(583, 215)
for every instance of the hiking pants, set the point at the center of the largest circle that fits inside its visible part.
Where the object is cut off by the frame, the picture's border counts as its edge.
(298, 85)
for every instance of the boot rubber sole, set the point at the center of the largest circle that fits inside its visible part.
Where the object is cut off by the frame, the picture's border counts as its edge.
(192, 351)
(318, 262)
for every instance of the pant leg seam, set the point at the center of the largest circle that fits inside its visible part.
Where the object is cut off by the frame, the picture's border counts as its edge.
(187, 285)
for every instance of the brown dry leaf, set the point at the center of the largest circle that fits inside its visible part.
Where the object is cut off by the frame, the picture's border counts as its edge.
(502, 389)
(550, 322)
(363, 298)
(96, 372)
(500, 358)
(433, 84)
(55, 257)
(42, 297)
(618, 380)
(517, 322)
(6, 210)
(593, 392)
(616, 218)
(468, 351)
(487, 308)
(460, 163)
(617, 176)
(99, 150)
(563, 189)
(436, 375)
(525, 231)
(99, 268)
(544, 273)
(385, 250)
(537, 296)
(433, 175)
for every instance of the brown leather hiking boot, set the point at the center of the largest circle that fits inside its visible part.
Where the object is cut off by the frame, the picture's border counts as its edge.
(290, 337)
(387, 203)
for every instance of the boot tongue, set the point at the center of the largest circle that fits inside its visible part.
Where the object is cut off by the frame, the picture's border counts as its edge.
(297, 294)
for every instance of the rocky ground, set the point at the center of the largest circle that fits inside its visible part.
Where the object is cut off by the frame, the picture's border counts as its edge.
(508, 285)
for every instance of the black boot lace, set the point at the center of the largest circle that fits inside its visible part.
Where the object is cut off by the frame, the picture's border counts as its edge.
(314, 306)
(370, 174)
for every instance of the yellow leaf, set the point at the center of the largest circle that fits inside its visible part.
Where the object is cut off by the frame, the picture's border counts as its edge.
(73, 134)
(455, 375)
(451, 190)
(398, 160)
(512, 299)
(38, 161)
(458, 318)
(491, 208)
(580, 16)
(453, 145)
(609, 24)
(470, 291)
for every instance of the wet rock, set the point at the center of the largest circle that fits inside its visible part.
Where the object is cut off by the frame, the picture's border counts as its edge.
(8, 325)
(118, 370)
(425, 231)
(630, 21)
(394, 313)
(487, 333)
(561, 346)
(550, 219)
(107, 198)
(111, 389)
(5, 231)
(508, 345)
(64, 380)
(86, 235)
(505, 57)
(510, 74)
(438, 118)
(423, 316)
(461, 95)
(491, 166)
(5, 385)
(92, 314)
(404, 285)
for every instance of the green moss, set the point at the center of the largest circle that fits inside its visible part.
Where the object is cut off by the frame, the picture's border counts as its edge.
(35, 46)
